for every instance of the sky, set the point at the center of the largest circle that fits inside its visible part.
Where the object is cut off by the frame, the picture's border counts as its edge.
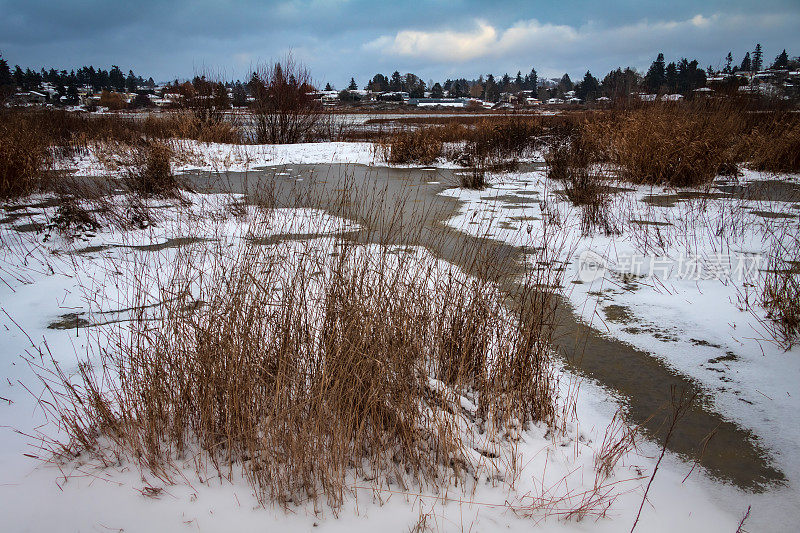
(436, 39)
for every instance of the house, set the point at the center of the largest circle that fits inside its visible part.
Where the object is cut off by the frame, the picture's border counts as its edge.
(28, 98)
(438, 102)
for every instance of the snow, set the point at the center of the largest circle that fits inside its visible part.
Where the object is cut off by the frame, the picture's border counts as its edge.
(554, 470)
(220, 157)
(699, 327)
(44, 283)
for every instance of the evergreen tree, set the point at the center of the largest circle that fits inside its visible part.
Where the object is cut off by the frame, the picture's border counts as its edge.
(533, 83)
(131, 83)
(19, 77)
(758, 58)
(396, 83)
(746, 63)
(353, 86)
(5, 73)
(72, 95)
(416, 88)
(491, 91)
(565, 84)
(437, 91)
(619, 84)
(379, 83)
(728, 61)
(671, 77)
(781, 61)
(328, 87)
(518, 80)
(588, 88)
(141, 100)
(116, 78)
(505, 82)
(656, 75)
(239, 95)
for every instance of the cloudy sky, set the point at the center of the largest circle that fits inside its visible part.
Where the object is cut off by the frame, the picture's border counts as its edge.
(435, 38)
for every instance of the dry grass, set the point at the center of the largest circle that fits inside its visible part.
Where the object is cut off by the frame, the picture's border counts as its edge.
(780, 296)
(487, 144)
(678, 145)
(774, 145)
(23, 154)
(422, 146)
(303, 369)
(149, 172)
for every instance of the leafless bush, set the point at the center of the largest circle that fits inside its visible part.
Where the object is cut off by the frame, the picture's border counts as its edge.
(284, 109)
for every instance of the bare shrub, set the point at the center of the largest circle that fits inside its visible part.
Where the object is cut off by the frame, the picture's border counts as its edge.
(114, 101)
(71, 217)
(284, 109)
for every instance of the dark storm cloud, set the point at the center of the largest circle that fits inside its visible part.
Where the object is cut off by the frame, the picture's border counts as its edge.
(340, 38)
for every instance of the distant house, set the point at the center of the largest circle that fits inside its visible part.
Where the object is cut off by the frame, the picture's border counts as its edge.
(28, 98)
(394, 96)
(438, 102)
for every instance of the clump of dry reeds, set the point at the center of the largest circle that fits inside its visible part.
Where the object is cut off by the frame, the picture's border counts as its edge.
(780, 297)
(421, 146)
(774, 145)
(24, 153)
(302, 368)
(149, 172)
(483, 145)
(501, 141)
(569, 159)
(678, 145)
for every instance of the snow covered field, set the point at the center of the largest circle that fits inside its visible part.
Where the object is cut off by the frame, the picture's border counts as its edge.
(534, 482)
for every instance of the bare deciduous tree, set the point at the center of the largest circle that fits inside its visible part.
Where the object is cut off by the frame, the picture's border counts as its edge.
(284, 110)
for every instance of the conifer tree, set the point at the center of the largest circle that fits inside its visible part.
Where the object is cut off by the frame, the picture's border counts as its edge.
(746, 63)
(656, 75)
(781, 61)
(758, 58)
(728, 61)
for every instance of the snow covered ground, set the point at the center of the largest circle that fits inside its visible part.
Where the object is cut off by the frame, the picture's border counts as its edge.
(643, 290)
(219, 157)
(553, 472)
